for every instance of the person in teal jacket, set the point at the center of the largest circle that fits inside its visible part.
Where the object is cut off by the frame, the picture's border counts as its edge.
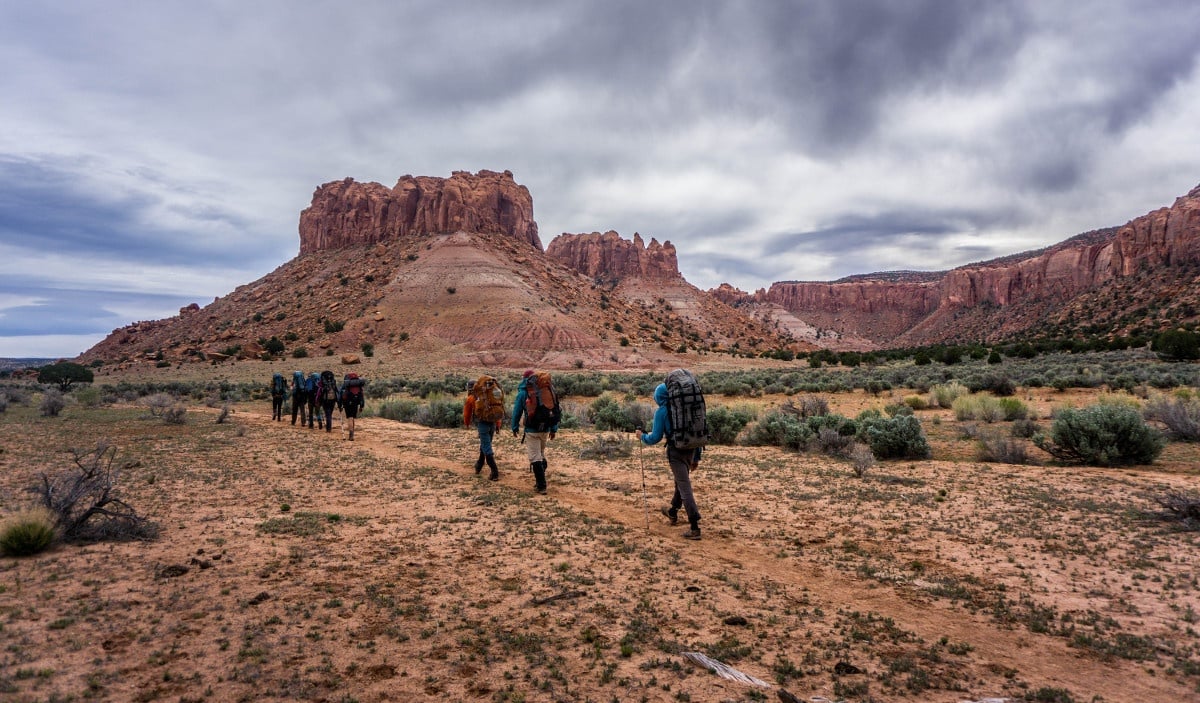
(537, 431)
(681, 461)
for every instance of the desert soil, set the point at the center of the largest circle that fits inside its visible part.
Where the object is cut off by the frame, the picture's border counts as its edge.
(295, 565)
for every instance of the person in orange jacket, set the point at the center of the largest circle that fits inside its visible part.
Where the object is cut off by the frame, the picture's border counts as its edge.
(474, 412)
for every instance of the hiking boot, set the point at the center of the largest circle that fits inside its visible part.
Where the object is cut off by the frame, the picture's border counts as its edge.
(491, 462)
(479, 463)
(671, 515)
(351, 435)
(692, 532)
(539, 476)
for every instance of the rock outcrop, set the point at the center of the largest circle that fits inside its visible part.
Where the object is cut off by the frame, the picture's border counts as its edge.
(608, 257)
(893, 313)
(347, 213)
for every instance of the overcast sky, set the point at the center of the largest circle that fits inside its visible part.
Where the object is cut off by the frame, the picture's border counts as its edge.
(155, 154)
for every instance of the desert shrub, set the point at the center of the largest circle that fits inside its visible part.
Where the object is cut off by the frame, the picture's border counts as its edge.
(811, 405)
(84, 499)
(90, 396)
(861, 458)
(1013, 409)
(274, 346)
(223, 414)
(607, 414)
(876, 386)
(299, 353)
(726, 423)
(53, 402)
(175, 415)
(3, 402)
(607, 446)
(894, 409)
(779, 429)
(944, 394)
(1025, 428)
(440, 412)
(996, 447)
(898, 437)
(158, 403)
(401, 410)
(368, 349)
(1101, 435)
(1180, 415)
(916, 402)
(830, 441)
(27, 531)
(998, 385)
(978, 407)
(332, 327)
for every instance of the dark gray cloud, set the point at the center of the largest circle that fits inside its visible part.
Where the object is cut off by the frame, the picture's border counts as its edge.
(173, 145)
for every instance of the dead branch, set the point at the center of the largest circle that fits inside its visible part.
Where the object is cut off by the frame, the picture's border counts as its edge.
(83, 500)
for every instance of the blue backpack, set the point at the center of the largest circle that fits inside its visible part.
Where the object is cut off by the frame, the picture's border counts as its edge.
(298, 382)
(278, 387)
(310, 386)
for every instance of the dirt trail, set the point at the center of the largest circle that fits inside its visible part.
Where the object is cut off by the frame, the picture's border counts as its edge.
(1041, 658)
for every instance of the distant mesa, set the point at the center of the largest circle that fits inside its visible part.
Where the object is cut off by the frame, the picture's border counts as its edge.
(348, 213)
(608, 257)
(901, 308)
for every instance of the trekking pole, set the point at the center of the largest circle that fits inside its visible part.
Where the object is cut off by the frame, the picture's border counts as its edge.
(645, 501)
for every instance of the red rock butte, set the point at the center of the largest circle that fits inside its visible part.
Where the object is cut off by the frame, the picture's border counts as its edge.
(608, 257)
(348, 213)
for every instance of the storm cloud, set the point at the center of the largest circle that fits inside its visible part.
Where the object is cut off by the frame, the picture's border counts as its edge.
(155, 154)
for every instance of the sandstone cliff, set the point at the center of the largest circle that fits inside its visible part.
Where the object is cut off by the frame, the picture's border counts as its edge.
(897, 313)
(346, 213)
(607, 257)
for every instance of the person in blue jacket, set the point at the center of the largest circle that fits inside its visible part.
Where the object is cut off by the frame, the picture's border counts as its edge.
(681, 461)
(537, 431)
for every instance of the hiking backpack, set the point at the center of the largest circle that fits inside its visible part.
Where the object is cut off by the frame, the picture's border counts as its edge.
(352, 391)
(541, 403)
(310, 385)
(278, 386)
(329, 392)
(298, 381)
(489, 399)
(686, 414)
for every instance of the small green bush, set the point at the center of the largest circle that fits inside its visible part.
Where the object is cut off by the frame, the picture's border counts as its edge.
(780, 430)
(1101, 435)
(28, 532)
(726, 423)
(53, 403)
(299, 353)
(899, 437)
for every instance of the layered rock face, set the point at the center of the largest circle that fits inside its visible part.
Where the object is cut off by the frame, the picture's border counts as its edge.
(346, 213)
(892, 313)
(608, 257)
(1164, 237)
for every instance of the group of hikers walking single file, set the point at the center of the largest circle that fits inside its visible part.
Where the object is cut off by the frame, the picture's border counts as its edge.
(680, 420)
(315, 396)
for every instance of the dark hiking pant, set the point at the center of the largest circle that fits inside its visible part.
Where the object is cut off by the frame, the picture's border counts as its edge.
(328, 408)
(276, 407)
(300, 407)
(680, 461)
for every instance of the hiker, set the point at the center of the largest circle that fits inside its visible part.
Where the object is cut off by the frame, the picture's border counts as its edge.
(683, 445)
(485, 407)
(278, 395)
(351, 399)
(327, 396)
(538, 404)
(310, 390)
(299, 399)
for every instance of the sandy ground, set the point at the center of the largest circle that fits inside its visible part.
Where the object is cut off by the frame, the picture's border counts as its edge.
(295, 565)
